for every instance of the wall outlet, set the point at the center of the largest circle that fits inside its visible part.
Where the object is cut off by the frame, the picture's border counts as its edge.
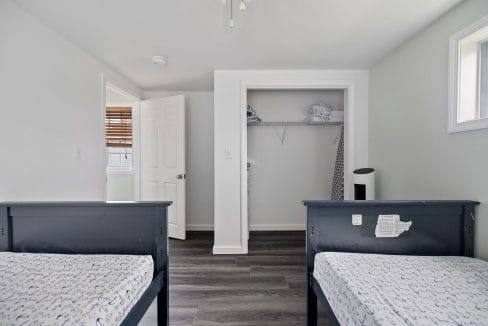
(357, 219)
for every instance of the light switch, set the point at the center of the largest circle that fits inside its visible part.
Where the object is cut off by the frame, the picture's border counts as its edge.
(77, 153)
(357, 219)
(227, 154)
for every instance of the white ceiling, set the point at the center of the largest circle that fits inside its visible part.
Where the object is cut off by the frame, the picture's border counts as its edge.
(275, 34)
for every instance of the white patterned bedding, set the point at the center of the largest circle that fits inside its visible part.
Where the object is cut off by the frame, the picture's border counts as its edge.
(369, 289)
(50, 289)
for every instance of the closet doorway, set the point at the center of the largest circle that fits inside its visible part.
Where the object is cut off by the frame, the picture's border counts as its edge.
(291, 153)
(281, 208)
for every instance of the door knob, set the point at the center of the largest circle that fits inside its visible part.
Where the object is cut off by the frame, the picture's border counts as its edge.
(180, 176)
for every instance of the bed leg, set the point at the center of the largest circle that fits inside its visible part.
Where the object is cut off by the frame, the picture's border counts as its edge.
(311, 305)
(163, 306)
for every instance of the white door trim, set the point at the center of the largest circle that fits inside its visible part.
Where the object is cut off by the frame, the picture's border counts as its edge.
(230, 137)
(349, 144)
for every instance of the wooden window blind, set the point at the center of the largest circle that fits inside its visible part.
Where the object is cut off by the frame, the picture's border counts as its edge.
(118, 127)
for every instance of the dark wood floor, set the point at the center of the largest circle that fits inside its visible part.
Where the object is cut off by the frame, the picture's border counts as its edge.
(265, 287)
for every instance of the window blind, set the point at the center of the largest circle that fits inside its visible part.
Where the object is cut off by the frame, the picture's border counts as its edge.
(118, 127)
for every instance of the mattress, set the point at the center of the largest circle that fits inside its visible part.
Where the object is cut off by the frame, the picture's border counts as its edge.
(52, 289)
(370, 289)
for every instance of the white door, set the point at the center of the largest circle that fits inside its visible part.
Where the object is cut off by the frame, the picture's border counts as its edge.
(162, 129)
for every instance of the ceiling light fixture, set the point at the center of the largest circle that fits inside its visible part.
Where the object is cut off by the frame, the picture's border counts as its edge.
(229, 12)
(159, 60)
(231, 23)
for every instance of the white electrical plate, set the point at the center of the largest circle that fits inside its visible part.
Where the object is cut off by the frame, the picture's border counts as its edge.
(357, 219)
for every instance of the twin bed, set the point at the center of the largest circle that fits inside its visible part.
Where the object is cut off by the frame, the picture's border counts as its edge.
(368, 263)
(90, 263)
(422, 274)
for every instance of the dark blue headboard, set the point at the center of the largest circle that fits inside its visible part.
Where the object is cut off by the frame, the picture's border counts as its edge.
(438, 228)
(138, 228)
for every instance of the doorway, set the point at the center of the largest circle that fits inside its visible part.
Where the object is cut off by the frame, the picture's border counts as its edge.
(121, 145)
(291, 153)
(346, 98)
(145, 152)
(230, 144)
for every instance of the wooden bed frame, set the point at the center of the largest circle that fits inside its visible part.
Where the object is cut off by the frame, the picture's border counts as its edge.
(439, 228)
(134, 228)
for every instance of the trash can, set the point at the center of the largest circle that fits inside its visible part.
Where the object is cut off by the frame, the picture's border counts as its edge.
(364, 184)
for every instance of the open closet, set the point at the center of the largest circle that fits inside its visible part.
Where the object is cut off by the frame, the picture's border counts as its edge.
(291, 153)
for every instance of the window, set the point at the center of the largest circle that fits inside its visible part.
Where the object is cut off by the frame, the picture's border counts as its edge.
(468, 85)
(118, 133)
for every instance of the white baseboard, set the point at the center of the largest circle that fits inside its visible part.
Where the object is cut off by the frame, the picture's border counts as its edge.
(255, 227)
(277, 227)
(228, 250)
(199, 227)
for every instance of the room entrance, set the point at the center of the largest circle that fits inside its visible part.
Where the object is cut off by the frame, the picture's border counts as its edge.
(145, 152)
(121, 145)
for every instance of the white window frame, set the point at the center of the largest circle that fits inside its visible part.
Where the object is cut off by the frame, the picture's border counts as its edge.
(120, 169)
(453, 101)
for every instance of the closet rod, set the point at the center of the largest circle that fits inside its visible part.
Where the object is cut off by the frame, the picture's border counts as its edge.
(294, 123)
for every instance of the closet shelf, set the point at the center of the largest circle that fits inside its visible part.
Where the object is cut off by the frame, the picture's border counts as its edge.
(294, 123)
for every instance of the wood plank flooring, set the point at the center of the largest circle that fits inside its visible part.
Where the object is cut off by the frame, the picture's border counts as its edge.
(264, 288)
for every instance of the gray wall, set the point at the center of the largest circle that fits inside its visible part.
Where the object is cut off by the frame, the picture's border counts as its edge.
(283, 175)
(51, 110)
(199, 157)
(408, 140)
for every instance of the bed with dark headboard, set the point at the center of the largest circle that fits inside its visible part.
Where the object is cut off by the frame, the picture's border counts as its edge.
(439, 228)
(94, 228)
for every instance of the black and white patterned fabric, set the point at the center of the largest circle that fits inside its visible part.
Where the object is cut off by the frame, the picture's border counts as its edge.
(50, 289)
(337, 192)
(369, 289)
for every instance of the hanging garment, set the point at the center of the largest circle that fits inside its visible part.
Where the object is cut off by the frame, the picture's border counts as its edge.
(337, 192)
(252, 116)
